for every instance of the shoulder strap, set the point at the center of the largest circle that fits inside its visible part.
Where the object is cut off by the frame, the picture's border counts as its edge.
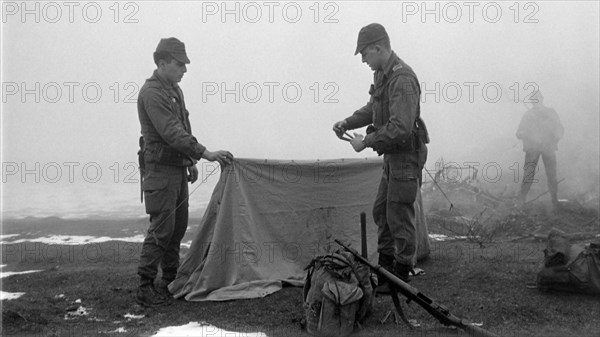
(403, 69)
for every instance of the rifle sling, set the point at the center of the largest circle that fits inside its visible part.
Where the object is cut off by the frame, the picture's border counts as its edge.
(396, 300)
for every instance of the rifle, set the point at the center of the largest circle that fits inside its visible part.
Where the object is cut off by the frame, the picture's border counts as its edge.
(440, 312)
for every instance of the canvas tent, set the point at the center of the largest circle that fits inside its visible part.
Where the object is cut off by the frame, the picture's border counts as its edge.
(268, 219)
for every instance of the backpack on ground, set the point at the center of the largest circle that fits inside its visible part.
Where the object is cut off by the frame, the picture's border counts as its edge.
(338, 294)
(570, 267)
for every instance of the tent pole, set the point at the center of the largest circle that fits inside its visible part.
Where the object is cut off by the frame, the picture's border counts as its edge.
(363, 235)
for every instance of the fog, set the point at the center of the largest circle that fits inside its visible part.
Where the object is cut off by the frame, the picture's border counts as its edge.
(269, 79)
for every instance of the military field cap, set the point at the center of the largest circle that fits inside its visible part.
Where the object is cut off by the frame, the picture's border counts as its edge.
(174, 47)
(369, 34)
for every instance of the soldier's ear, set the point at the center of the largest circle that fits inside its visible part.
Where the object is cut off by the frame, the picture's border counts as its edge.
(162, 63)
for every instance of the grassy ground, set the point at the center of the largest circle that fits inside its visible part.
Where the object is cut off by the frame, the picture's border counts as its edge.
(480, 283)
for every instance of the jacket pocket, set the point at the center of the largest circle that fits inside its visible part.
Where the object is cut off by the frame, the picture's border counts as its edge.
(155, 193)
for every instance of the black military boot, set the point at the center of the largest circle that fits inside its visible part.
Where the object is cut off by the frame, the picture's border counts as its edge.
(387, 262)
(168, 275)
(147, 296)
(163, 288)
(402, 271)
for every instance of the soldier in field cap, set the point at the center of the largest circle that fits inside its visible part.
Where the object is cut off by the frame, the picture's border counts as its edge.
(168, 156)
(396, 131)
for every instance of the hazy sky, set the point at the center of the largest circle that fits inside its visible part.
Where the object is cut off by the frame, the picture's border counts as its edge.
(292, 68)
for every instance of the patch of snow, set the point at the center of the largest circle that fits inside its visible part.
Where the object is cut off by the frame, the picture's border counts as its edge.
(118, 330)
(81, 311)
(12, 296)
(442, 237)
(131, 316)
(9, 296)
(202, 329)
(96, 319)
(4, 274)
(76, 239)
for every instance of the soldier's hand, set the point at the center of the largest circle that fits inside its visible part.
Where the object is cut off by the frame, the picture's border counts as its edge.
(339, 128)
(221, 156)
(357, 142)
(193, 174)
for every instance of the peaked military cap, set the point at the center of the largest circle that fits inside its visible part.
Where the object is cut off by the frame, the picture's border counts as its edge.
(174, 47)
(369, 34)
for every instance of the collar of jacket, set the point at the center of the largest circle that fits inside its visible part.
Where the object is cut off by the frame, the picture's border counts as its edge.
(163, 82)
(388, 69)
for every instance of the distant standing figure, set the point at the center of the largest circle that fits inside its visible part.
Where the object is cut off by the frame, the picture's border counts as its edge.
(540, 130)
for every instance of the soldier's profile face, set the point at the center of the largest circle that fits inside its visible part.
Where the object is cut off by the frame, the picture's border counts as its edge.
(369, 56)
(174, 71)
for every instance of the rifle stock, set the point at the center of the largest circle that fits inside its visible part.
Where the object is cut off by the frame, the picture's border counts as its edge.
(440, 312)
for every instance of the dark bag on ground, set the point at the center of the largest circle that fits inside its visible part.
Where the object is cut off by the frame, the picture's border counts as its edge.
(570, 267)
(338, 294)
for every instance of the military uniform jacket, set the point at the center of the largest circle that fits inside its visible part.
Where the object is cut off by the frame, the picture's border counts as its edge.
(540, 129)
(393, 109)
(165, 124)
